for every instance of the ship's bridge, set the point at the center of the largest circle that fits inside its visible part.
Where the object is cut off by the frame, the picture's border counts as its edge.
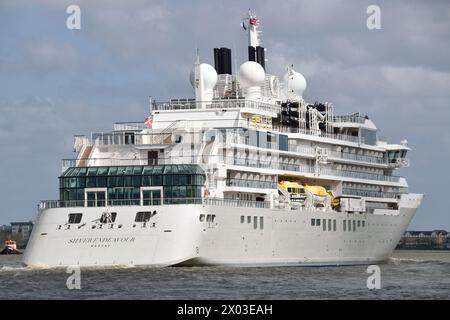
(131, 185)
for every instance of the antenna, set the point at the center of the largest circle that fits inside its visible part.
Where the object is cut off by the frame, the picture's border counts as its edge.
(236, 70)
(197, 53)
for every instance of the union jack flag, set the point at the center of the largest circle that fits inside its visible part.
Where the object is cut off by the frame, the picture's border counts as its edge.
(148, 122)
(254, 21)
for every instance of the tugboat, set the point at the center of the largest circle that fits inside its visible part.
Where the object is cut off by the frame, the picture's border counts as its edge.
(10, 248)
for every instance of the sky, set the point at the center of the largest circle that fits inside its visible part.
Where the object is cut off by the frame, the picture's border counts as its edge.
(56, 82)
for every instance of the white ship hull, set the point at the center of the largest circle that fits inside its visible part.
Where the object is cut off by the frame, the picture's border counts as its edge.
(176, 236)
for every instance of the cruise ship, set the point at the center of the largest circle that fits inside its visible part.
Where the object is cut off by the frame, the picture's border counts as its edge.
(246, 172)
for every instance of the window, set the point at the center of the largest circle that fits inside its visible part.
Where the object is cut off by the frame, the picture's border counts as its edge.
(96, 198)
(334, 225)
(242, 219)
(359, 223)
(75, 217)
(318, 222)
(151, 197)
(123, 184)
(344, 224)
(354, 225)
(329, 224)
(255, 222)
(324, 224)
(143, 216)
(349, 225)
(261, 222)
(364, 223)
(249, 219)
(313, 222)
(202, 218)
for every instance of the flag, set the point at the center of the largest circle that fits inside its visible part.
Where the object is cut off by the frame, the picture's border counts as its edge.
(254, 21)
(148, 122)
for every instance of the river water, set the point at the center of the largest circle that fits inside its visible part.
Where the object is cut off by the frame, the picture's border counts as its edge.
(406, 275)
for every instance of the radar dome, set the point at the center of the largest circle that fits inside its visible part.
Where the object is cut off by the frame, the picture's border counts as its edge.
(295, 82)
(208, 74)
(251, 74)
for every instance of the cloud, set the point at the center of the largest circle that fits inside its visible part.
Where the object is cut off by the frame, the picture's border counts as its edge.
(47, 55)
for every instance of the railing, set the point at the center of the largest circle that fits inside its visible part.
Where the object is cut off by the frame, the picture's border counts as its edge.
(370, 193)
(267, 164)
(354, 118)
(215, 104)
(311, 151)
(106, 162)
(336, 136)
(129, 126)
(232, 182)
(51, 204)
(301, 149)
(359, 175)
(127, 138)
(356, 157)
(236, 203)
(252, 163)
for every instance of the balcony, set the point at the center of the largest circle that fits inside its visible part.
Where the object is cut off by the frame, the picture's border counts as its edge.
(252, 163)
(359, 175)
(231, 182)
(370, 193)
(314, 133)
(356, 157)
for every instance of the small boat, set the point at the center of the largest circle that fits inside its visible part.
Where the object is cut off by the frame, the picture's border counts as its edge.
(10, 248)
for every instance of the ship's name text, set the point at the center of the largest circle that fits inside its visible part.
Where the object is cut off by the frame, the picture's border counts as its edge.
(92, 240)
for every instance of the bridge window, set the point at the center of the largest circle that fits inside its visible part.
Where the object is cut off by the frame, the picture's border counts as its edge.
(75, 218)
(143, 216)
(96, 198)
(123, 184)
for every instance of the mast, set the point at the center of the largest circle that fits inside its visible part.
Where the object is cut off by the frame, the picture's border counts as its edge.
(256, 52)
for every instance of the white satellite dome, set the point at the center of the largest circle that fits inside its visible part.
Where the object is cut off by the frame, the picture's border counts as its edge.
(209, 76)
(251, 74)
(295, 82)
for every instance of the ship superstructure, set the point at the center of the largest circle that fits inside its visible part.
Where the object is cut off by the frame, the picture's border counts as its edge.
(246, 172)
